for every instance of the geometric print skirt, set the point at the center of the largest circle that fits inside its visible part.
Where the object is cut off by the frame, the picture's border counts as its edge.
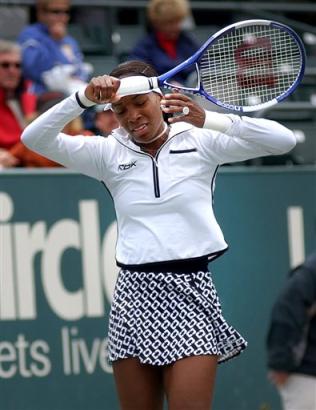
(163, 317)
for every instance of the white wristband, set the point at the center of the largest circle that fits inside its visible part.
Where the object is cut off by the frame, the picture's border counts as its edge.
(216, 121)
(83, 99)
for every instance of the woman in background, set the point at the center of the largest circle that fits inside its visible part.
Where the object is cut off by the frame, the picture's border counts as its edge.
(167, 44)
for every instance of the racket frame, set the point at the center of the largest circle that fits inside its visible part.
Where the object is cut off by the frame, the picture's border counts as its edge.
(139, 84)
(195, 58)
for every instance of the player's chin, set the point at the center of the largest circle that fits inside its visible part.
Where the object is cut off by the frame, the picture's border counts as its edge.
(141, 133)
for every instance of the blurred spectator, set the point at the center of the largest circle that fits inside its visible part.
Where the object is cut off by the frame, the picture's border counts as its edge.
(51, 58)
(105, 120)
(167, 43)
(30, 158)
(18, 107)
(17, 104)
(291, 339)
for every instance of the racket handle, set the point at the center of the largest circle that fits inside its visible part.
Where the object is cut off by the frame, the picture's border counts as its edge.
(137, 84)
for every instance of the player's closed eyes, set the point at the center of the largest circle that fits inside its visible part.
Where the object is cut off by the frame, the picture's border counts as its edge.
(140, 100)
(139, 104)
(121, 111)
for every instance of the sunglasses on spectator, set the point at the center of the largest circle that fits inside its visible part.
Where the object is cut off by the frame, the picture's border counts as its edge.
(58, 11)
(7, 64)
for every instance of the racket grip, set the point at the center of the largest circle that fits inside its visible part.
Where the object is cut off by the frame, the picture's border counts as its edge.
(137, 84)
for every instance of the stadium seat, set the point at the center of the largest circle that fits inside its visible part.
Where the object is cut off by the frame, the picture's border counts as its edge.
(300, 117)
(203, 33)
(12, 20)
(124, 39)
(92, 39)
(305, 132)
(102, 64)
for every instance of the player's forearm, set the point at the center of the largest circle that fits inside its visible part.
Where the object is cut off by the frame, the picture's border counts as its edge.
(271, 136)
(42, 133)
(217, 122)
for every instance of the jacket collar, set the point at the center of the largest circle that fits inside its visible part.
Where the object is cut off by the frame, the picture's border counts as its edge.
(123, 137)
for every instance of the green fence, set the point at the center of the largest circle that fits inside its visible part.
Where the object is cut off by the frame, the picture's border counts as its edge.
(57, 272)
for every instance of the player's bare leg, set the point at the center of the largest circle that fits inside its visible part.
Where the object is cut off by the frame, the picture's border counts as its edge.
(189, 383)
(139, 386)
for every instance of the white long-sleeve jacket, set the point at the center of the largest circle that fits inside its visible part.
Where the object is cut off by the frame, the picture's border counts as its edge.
(163, 204)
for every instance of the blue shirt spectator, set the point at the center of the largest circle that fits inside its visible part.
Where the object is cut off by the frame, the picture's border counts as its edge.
(51, 58)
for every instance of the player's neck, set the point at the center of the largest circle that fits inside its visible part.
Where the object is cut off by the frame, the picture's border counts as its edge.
(152, 146)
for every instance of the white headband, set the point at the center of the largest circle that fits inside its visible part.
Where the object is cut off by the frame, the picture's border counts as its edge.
(154, 90)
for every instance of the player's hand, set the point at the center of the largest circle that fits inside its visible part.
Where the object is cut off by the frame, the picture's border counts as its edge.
(103, 89)
(278, 378)
(183, 108)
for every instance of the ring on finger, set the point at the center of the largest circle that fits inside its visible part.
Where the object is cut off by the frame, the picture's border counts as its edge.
(185, 110)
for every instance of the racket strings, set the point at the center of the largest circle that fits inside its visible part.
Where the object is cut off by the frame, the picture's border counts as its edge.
(250, 65)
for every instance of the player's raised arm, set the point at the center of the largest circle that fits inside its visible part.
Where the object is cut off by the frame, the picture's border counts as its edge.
(44, 135)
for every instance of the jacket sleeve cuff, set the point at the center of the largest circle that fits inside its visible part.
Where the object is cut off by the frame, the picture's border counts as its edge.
(217, 122)
(82, 100)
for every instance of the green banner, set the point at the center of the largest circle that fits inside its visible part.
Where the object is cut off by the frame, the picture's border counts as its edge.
(57, 274)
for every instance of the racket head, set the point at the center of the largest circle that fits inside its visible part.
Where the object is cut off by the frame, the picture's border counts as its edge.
(250, 65)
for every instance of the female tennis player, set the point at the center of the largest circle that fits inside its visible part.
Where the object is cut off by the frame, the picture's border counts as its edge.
(166, 332)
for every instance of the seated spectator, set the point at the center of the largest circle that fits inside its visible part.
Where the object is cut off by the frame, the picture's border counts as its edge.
(31, 159)
(17, 104)
(167, 43)
(51, 58)
(105, 120)
(18, 107)
(291, 340)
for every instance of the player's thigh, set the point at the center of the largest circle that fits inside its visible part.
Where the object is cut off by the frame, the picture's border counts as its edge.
(139, 386)
(189, 383)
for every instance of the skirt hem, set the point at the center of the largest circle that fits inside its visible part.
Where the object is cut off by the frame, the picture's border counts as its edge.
(223, 357)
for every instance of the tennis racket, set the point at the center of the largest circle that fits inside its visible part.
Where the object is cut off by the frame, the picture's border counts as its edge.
(247, 66)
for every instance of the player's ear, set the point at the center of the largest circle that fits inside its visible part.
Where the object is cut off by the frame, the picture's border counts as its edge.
(165, 115)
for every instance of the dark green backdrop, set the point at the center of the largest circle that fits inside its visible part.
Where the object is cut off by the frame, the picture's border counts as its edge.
(52, 349)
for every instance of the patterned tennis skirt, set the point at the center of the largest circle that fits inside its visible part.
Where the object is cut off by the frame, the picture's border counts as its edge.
(163, 317)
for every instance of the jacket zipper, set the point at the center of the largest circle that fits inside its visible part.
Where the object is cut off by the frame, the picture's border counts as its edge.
(154, 163)
(155, 177)
(155, 171)
(155, 168)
